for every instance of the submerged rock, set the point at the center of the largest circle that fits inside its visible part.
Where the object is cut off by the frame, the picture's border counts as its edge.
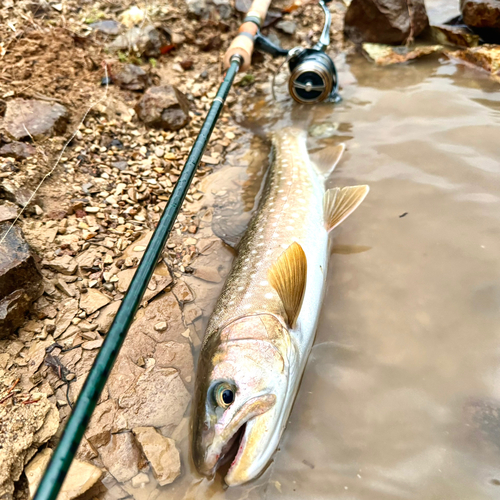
(20, 279)
(390, 22)
(80, 478)
(385, 55)
(164, 107)
(31, 118)
(161, 454)
(485, 56)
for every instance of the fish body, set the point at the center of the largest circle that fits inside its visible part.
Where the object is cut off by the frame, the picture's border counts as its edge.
(262, 329)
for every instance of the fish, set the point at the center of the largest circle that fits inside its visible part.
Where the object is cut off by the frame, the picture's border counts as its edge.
(261, 331)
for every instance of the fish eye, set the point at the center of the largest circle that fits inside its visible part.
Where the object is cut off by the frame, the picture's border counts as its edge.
(224, 394)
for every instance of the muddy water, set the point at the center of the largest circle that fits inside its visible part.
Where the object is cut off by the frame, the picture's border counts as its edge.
(401, 395)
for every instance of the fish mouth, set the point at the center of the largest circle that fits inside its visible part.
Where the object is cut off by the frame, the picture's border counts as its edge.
(233, 450)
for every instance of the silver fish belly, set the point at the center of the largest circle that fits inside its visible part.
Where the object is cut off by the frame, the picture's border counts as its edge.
(262, 329)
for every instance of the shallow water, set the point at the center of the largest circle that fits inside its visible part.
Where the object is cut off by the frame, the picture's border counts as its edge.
(397, 397)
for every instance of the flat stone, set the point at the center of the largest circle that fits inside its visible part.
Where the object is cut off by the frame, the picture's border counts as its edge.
(385, 55)
(31, 118)
(158, 399)
(17, 150)
(106, 316)
(455, 35)
(121, 456)
(7, 213)
(182, 292)
(23, 432)
(98, 432)
(207, 273)
(385, 21)
(161, 454)
(163, 107)
(140, 480)
(80, 478)
(67, 311)
(64, 264)
(20, 279)
(176, 355)
(93, 300)
(19, 195)
(485, 56)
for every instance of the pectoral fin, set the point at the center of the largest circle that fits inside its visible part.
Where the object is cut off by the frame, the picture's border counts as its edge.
(327, 159)
(288, 277)
(339, 203)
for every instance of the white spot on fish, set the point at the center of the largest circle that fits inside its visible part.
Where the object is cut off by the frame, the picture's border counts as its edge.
(284, 246)
(240, 288)
(290, 228)
(264, 283)
(268, 295)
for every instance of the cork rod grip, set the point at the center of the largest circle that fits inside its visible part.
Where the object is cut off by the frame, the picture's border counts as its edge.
(243, 43)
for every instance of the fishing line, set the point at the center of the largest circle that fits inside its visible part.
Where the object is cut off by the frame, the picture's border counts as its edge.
(47, 175)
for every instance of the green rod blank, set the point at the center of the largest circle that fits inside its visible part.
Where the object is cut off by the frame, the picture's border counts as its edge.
(94, 384)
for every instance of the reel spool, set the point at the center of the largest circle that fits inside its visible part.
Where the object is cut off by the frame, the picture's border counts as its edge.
(313, 76)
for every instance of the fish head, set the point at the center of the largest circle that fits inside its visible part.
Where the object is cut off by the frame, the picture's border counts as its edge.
(240, 395)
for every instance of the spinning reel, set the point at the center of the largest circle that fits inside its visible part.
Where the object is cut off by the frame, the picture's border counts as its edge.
(313, 76)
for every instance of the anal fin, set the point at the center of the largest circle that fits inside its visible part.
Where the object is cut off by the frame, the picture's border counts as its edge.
(288, 277)
(339, 203)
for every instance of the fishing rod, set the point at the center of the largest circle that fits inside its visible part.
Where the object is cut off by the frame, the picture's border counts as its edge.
(237, 57)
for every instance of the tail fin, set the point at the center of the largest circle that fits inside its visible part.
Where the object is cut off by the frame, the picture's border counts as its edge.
(339, 203)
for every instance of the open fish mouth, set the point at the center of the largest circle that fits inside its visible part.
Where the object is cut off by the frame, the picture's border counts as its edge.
(232, 450)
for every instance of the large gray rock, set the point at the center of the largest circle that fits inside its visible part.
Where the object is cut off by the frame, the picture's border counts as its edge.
(144, 41)
(164, 107)
(20, 279)
(121, 456)
(25, 118)
(391, 22)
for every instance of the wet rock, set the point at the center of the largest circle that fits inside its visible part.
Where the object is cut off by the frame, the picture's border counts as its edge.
(176, 355)
(483, 15)
(145, 41)
(207, 273)
(121, 456)
(17, 150)
(288, 27)
(22, 433)
(80, 478)
(109, 27)
(158, 399)
(106, 316)
(20, 279)
(164, 107)
(140, 480)
(455, 35)
(93, 300)
(31, 118)
(7, 213)
(385, 55)
(485, 56)
(161, 454)
(131, 77)
(182, 292)
(390, 22)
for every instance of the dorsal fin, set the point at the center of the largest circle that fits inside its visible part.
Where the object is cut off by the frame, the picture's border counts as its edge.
(339, 203)
(327, 159)
(288, 277)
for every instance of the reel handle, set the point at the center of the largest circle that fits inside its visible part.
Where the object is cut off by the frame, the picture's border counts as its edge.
(243, 44)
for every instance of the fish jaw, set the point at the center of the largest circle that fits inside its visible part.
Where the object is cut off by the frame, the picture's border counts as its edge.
(259, 370)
